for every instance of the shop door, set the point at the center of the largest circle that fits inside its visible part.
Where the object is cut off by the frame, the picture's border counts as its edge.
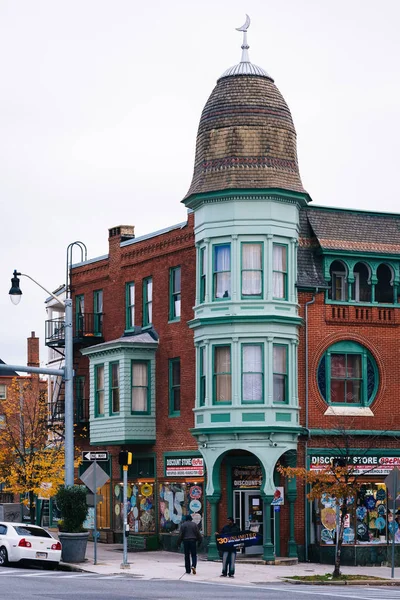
(248, 515)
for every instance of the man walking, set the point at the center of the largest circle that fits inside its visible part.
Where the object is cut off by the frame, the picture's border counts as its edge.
(229, 556)
(189, 534)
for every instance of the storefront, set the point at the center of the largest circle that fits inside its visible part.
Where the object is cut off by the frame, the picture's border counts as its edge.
(371, 521)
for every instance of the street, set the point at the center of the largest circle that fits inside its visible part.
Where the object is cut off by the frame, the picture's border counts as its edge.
(18, 583)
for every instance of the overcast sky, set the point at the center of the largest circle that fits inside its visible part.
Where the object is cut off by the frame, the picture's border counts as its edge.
(100, 102)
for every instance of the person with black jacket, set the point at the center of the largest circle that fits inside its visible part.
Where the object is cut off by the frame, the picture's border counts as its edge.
(189, 534)
(229, 556)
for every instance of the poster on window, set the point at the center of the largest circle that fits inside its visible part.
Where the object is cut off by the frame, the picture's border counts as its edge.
(140, 507)
(178, 500)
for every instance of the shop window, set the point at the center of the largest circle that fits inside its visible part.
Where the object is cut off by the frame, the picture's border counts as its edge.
(79, 315)
(280, 271)
(178, 500)
(203, 276)
(347, 374)
(222, 272)
(141, 515)
(174, 387)
(222, 375)
(3, 391)
(252, 373)
(202, 391)
(384, 292)
(98, 312)
(175, 294)
(99, 390)
(252, 273)
(362, 283)
(114, 387)
(147, 301)
(130, 305)
(140, 387)
(280, 366)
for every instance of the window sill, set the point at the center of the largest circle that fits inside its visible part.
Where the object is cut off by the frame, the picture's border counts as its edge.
(349, 411)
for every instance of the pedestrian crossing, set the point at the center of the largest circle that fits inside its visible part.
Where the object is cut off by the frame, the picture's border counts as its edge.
(336, 592)
(62, 574)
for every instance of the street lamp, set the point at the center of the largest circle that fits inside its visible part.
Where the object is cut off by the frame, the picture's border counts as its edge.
(68, 371)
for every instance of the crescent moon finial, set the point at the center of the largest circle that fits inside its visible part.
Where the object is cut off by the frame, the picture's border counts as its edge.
(245, 26)
(245, 46)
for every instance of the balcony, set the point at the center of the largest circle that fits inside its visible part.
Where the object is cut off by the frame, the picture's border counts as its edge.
(88, 330)
(361, 315)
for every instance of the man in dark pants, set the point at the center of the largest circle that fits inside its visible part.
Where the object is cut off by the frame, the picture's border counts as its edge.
(190, 536)
(229, 556)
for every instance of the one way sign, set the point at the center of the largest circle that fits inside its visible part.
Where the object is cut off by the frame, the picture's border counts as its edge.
(94, 455)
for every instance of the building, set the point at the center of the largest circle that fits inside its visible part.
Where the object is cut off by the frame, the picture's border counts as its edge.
(218, 347)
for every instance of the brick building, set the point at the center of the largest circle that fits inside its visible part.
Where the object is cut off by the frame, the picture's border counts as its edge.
(219, 346)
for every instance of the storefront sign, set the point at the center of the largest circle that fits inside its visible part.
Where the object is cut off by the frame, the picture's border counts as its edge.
(368, 465)
(184, 466)
(243, 538)
(247, 477)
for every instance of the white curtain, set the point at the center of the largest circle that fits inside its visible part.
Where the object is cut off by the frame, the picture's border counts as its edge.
(100, 389)
(149, 299)
(252, 374)
(280, 373)
(223, 374)
(222, 271)
(139, 386)
(251, 269)
(279, 267)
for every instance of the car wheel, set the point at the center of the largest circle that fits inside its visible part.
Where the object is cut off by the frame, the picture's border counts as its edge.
(3, 557)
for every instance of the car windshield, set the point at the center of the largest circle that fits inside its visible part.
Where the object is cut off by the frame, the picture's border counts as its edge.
(35, 531)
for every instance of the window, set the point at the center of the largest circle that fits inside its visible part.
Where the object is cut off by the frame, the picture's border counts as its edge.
(141, 467)
(79, 314)
(251, 270)
(280, 271)
(140, 387)
(252, 373)
(130, 305)
(114, 388)
(147, 301)
(222, 375)
(175, 294)
(98, 312)
(222, 272)
(347, 374)
(384, 291)
(202, 390)
(99, 390)
(3, 391)
(203, 270)
(361, 291)
(338, 289)
(82, 403)
(280, 374)
(174, 386)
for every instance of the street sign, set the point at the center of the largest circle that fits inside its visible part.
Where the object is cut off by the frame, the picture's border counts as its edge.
(87, 455)
(94, 477)
(392, 483)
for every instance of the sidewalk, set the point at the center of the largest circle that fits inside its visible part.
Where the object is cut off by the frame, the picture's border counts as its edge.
(170, 565)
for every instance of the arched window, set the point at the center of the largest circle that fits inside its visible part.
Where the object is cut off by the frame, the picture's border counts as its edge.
(338, 290)
(362, 283)
(347, 374)
(384, 292)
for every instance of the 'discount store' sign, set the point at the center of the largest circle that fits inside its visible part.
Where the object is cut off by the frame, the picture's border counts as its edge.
(184, 466)
(371, 464)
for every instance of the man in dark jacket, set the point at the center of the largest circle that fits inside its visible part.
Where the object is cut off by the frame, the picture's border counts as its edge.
(189, 534)
(229, 556)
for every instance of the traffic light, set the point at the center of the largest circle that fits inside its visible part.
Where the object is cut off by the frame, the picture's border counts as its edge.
(125, 458)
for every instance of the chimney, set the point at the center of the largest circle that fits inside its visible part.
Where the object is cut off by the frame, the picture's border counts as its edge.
(122, 232)
(33, 351)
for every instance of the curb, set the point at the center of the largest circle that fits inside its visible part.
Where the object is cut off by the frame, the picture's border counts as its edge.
(363, 582)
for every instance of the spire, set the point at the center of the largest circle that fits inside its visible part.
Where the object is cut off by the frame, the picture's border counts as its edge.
(245, 55)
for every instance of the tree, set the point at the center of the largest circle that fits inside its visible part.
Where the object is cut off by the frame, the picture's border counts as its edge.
(30, 463)
(340, 478)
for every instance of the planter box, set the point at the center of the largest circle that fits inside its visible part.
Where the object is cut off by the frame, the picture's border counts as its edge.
(73, 546)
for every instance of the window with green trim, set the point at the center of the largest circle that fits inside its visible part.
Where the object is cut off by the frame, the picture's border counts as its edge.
(252, 270)
(175, 294)
(174, 386)
(140, 386)
(202, 382)
(222, 272)
(82, 404)
(79, 315)
(347, 374)
(99, 391)
(222, 375)
(147, 301)
(252, 373)
(130, 305)
(279, 271)
(98, 312)
(280, 375)
(114, 387)
(141, 467)
(203, 276)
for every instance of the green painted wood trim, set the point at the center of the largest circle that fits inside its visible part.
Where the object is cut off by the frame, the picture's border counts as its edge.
(251, 402)
(171, 387)
(283, 416)
(110, 388)
(233, 319)
(257, 429)
(262, 270)
(97, 390)
(202, 274)
(200, 419)
(221, 418)
(285, 374)
(128, 306)
(145, 317)
(172, 294)
(97, 312)
(215, 374)
(149, 390)
(285, 273)
(248, 193)
(215, 272)
(378, 432)
(365, 452)
(253, 417)
(124, 441)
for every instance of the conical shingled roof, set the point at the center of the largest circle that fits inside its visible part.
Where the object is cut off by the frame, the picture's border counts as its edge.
(246, 137)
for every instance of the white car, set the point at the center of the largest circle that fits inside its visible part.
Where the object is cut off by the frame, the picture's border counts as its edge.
(23, 543)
